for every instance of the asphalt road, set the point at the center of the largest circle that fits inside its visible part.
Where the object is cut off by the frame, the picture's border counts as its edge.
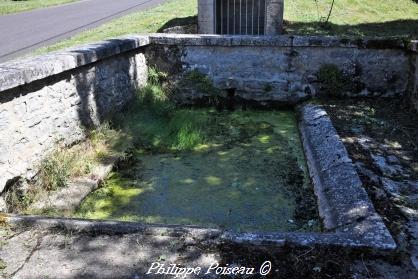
(20, 33)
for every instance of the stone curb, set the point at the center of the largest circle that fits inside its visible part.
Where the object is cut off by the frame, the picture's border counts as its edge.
(343, 240)
(106, 227)
(342, 201)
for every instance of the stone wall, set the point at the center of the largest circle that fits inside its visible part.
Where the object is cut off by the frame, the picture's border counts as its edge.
(413, 82)
(55, 98)
(284, 70)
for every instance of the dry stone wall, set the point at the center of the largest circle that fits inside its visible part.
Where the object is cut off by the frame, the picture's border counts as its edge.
(284, 69)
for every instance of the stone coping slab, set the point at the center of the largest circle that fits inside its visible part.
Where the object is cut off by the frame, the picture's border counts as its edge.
(20, 72)
(349, 218)
(343, 203)
(343, 240)
(24, 71)
(278, 41)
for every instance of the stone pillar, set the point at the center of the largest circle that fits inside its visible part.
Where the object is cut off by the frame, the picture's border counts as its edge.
(274, 17)
(206, 16)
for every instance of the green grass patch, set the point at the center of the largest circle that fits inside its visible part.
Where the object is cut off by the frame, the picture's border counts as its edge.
(350, 17)
(153, 122)
(102, 146)
(9, 6)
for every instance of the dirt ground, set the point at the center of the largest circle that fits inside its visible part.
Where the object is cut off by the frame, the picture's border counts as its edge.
(381, 137)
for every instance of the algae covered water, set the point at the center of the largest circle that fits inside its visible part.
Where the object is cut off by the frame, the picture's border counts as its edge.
(241, 171)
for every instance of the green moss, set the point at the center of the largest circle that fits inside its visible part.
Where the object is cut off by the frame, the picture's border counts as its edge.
(331, 79)
(336, 82)
(202, 82)
(116, 193)
(268, 88)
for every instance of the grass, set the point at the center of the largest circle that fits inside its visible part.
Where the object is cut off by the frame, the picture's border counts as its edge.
(66, 163)
(10, 7)
(353, 17)
(63, 164)
(153, 122)
(350, 17)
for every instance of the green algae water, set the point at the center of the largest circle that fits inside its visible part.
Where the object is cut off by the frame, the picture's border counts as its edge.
(241, 171)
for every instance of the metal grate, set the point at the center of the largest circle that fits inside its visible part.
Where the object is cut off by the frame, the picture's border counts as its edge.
(240, 17)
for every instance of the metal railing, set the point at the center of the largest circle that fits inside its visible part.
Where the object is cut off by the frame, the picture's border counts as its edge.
(240, 17)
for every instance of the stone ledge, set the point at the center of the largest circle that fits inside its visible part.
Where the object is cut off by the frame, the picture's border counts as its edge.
(343, 240)
(274, 239)
(342, 201)
(105, 227)
(277, 41)
(20, 72)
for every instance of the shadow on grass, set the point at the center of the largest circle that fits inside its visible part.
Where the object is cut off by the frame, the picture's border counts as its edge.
(179, 21)
(398, 28)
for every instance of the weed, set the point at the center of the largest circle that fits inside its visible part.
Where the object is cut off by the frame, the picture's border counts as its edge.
(202, 82)
(55, 169)
(17, 198)
(2, 265)
(335, 82)
(186, 129)
(155, 76)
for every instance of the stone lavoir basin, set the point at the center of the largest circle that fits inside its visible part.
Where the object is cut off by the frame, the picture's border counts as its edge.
(259, 177)
(246, 173)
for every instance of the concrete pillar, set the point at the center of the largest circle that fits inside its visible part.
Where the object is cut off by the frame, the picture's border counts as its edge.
(274, 17)
(206, 16)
